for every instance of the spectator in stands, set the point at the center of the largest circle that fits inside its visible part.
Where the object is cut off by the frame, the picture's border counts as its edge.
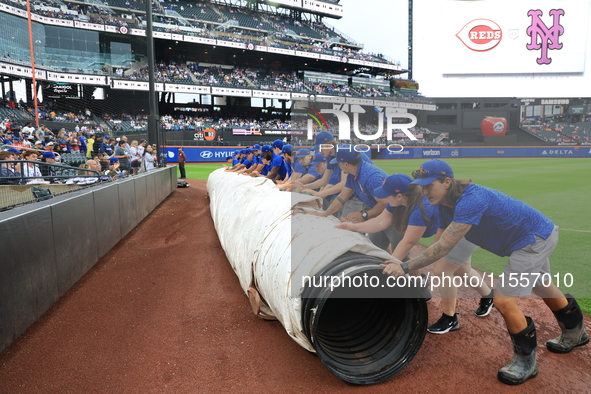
(92, 165)
(63, 142)
(74, 142)
(38, 133)
(9, 170)
(105, 147)
(28, 129)
(135, 157)
(30, 169)
(123, 156)
(148, 159)
(113, 170)
(90, 144)
(47, 170)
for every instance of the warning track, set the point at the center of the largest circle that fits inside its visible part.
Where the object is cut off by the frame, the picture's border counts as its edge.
(163, 312)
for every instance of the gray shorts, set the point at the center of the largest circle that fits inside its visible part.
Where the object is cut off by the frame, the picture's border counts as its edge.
(462, 252)
(528, 267)
(351, 205)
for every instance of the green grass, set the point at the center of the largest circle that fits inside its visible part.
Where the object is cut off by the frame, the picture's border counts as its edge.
(558, 187)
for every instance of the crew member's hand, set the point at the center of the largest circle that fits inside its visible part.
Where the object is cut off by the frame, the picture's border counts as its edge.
(392, 268)
(355, 217)
(346, 226)
(318, 213)
(310, 191)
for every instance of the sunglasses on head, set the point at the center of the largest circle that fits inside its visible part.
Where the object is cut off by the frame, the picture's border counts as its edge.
(416, 174)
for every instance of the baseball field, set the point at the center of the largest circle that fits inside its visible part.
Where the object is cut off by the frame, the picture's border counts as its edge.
(163, 311)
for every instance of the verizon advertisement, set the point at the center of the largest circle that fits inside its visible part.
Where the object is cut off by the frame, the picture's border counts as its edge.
(505, 37)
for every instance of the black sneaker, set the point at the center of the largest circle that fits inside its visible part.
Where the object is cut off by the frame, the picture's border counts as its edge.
(486, 305)
(445, 324)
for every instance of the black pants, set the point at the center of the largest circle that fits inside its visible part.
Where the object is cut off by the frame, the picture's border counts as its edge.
(182, 169)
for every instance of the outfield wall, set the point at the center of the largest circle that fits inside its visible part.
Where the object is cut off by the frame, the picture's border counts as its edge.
(49, 245)
(219, 154)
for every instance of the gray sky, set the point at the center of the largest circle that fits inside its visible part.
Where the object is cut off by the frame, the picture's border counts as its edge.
(382, 25)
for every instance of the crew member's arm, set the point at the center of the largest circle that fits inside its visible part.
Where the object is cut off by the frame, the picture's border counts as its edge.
(317, 183)
(329, 190)
(449, 238)
(337, 203)
(411, 237)
(379, 223)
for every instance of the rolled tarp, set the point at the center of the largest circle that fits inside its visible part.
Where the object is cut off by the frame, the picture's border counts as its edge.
(276, 248)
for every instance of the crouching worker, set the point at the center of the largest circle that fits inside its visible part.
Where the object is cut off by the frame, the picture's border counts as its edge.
(504, 226)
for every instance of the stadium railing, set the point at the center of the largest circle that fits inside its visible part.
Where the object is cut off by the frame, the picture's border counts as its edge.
(20, 190)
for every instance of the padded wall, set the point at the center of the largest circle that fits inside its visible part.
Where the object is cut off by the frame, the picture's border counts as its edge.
(48, 246)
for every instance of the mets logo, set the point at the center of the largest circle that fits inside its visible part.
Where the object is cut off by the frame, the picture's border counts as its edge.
(542, 37)
(206, 154)
(480, 35)
(499, 127)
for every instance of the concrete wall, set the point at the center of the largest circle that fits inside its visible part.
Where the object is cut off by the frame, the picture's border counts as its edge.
(48, 246)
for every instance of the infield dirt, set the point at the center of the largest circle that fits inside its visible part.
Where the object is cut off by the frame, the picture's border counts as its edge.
(163, 312)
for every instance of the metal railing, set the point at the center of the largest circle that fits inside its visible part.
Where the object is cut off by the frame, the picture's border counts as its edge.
(18, 189)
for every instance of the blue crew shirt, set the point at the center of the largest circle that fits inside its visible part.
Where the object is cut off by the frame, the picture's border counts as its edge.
(368, 178)
(416, 217)
(500, 223)
(300, 168)
(279, 161)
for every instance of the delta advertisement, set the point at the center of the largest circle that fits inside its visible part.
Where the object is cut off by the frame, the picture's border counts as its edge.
(219, 154)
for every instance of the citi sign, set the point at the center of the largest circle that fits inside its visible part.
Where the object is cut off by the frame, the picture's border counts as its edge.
(480, 35)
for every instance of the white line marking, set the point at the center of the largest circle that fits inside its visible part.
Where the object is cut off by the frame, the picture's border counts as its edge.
(579, 231)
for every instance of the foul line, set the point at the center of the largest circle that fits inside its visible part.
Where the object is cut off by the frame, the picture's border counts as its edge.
(579, 231)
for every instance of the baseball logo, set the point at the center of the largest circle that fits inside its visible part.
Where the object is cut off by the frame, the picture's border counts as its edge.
(499, 127)
(480, 35)
(123, 30)
(250, 46)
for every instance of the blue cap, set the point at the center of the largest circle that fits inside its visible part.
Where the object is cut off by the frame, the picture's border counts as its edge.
(256, 147)
(431, 170)
(302, 152)
(287, 149)
(319, 158)
(106, 137)
(345, 153)
(113, 160)
(393, 185)
(237, 152)
(247, 151)
(266, 148)
(278, 144)
(48, 155)
(243, 151)
(229, 158)
(322, 138)
(14, 150)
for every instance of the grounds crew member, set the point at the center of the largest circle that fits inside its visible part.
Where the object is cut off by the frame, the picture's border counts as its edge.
(363, 179)
(504, 226)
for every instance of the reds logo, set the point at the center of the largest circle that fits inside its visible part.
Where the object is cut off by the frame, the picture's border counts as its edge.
(480, 35)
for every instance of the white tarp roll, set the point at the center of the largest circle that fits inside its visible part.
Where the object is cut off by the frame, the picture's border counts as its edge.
(272, 245)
